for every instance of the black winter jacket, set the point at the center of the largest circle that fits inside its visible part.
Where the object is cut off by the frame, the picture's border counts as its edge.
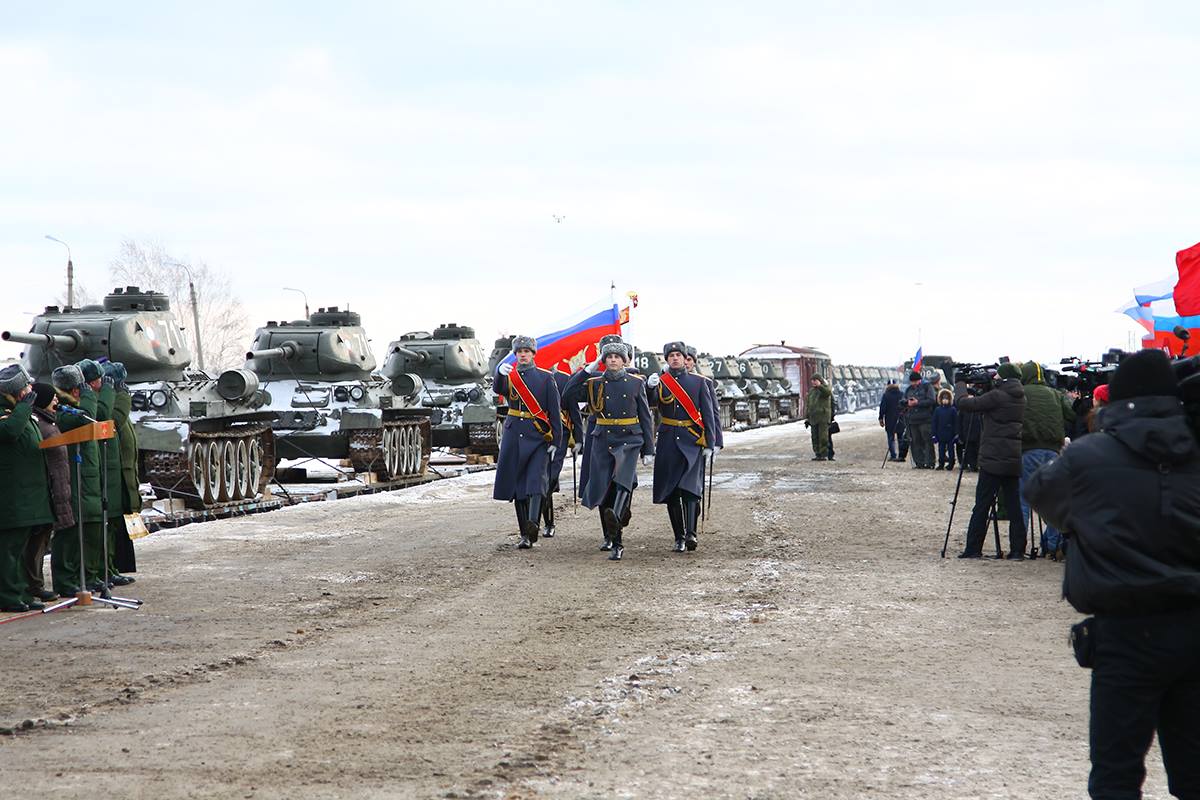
(1129, 498)
(1002, 409)
(922, 412)
(889, 406)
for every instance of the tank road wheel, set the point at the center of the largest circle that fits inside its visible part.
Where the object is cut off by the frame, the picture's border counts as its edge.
(404, 435)
(198, 468)
(229, 470)
(212, 472)
(753, 421)
(254, 467)
(242, 487)
(387, 450)
(391, 452)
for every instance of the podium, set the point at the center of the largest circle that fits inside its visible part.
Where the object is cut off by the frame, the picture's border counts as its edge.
(91, 432)
(101, 432)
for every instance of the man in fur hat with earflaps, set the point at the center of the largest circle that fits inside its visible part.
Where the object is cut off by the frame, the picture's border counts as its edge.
(620, 432)
(532, 435)
(688, 422)
(24, 491)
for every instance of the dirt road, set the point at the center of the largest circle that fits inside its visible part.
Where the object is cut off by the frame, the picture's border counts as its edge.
(400, 646)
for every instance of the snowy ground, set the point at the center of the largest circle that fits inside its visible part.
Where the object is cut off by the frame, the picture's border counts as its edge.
(398, 645)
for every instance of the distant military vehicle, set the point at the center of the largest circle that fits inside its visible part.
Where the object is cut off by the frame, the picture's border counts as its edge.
(787, 400)
(204, 440)
(317, 373)
(451, 363)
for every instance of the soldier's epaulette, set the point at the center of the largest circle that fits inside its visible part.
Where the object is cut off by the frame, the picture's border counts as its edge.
(637, 375)
(543, 369)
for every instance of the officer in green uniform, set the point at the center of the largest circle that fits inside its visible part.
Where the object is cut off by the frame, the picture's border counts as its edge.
(120, 546)
(76, 404)
(24, 490)
(818, 412)
(109, 461)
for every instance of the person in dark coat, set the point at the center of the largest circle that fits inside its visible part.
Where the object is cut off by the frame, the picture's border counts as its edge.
(76, 406)
(24, 489)
(818, 413)
(590, 419)
(572, 426)
(1129, 503)
(532, 436)
(45, 407)
(687, 417)
(889, 416)
(945, 429)
(622, 429)
(970, 430)
(1002, 410)
(919, 401)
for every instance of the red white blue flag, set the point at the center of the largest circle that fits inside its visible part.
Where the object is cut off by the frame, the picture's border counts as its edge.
(577, 337)
(918, 359)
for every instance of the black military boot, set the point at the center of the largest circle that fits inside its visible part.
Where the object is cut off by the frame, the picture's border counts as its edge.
(691, 515)
(548, 516)
(522, 507)
(618, 549)
(675, 512)
(533, 516)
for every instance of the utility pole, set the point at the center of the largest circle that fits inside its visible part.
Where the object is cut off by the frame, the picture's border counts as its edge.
(195, 314)
(70, 272)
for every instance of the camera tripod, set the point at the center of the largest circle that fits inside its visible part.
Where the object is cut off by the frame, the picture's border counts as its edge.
(962, 466)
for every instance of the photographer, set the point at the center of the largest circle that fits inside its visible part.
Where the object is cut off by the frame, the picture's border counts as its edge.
(1048, 416)
(1002, 410)
(1130, 502)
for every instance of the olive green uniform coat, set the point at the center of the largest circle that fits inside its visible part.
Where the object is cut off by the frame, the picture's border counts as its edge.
(24, 494)
(818, 411)
(64, 547)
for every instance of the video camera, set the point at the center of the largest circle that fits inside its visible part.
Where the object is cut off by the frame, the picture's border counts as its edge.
(977, 377)
(1083, 377)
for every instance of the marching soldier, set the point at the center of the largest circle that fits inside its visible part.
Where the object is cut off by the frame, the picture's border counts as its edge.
(572, 424)
(688, 419)
(532, 436)
(608, 338)
(619, 431)
(718, 438)
(24, 491)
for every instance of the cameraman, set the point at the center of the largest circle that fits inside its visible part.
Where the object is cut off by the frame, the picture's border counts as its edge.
(1130, 501)
(919, 400)
(1002, 409)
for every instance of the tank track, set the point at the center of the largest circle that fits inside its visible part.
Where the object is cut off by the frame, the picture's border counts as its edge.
(400, 449)
(219, 467)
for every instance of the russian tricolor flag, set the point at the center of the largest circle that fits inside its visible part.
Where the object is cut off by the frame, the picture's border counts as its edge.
(557, 348)
(917, 359)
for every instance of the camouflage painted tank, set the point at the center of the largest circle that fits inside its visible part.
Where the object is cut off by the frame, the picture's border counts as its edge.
(206, 440)
(787, 400)
(318, 377)
(450, 362)
(762, 404)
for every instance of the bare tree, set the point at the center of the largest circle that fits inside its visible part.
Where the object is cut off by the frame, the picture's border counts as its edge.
(224, 325)
(83, 297)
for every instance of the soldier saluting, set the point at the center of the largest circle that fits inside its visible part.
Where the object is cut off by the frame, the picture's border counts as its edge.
(532, 435)
(622, 431)
(688, 419)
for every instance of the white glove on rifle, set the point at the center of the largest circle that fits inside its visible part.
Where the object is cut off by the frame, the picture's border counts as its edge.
(551, 450)
(716, 450)
(594, 367)
(578, 449)
(653, 380)
(505, 368)
(647, 461)
(706, 453)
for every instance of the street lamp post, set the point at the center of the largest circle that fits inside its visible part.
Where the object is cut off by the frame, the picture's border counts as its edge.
(302, 294)
(195, 313)
(70, 272)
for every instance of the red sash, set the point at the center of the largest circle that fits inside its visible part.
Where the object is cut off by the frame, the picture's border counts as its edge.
(683, 398)
(517, 382)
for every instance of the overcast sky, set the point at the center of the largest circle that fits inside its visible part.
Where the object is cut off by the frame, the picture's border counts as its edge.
(844, 174)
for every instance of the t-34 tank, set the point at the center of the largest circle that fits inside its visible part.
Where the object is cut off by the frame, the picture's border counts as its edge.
(787, 401)
(734, 400)
(451, 363)
(207, 441)
(317, 373)
(763, 408)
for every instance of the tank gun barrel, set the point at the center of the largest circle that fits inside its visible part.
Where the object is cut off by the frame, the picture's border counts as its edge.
(49, 341)
(420, 357)
(287, 351)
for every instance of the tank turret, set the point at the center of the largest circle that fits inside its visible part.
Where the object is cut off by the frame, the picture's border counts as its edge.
(320, 375)
(208, 441)
(451, 364)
